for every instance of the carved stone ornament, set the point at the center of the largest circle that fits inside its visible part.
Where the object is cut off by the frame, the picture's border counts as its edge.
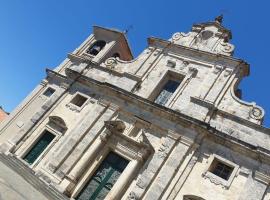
(214, 179)
(185, 63)
(171, 63)
(104, 136)
(228, 72)
(256, 112)
(110, 63)
(132, 196)
(178, 35)
(217, 69)
(115, 126)
(225, 48)
(193, 71)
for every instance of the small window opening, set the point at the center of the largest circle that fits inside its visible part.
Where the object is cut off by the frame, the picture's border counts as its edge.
(167, 91)
(78, 100)
(221, 169)
(96, 47)
(116, 55)
(49, 92)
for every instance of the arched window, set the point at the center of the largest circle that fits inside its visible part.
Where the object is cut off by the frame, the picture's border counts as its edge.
(192, 197)
(96, 47)
(116, 55)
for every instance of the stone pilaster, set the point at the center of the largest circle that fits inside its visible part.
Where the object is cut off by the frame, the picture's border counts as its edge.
(75, 136)
(10, 145)
(145, 179)
(255, 187)
(87, 141)
(168, 171)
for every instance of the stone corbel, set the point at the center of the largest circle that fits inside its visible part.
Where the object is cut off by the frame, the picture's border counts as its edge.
(115, 126)
(217, 69)
(105, 136)
(228, 72)
(157, 52)
(171, 63)
(192, 71)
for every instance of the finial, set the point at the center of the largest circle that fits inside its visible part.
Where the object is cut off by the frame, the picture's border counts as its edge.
(219, 19)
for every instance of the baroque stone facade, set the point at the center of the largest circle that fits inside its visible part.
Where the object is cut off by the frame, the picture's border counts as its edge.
(167, 125)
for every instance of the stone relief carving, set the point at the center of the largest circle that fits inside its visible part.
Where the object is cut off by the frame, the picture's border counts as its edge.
(115, 126)
(171, 63)
(183, 38)
(214, 179)
(179, 35)
(111, 63)
(132, 196)
(256, 112)
(225, 48)
(141, 183)
(163, 150)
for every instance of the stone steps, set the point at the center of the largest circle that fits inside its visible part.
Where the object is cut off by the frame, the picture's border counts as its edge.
(29, 175)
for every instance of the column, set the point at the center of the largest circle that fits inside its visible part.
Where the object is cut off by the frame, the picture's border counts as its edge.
(91, 153)
(124, 179)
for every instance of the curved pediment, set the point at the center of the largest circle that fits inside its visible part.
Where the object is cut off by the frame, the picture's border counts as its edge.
(208, 36)
(57, 123)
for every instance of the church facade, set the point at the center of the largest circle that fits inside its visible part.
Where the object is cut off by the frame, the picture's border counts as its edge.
(168, 125)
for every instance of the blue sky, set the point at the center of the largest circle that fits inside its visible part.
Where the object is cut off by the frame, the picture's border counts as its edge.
(38, 34)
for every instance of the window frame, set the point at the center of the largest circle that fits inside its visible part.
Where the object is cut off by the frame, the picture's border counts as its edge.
(49, 87)
(30, 144)
(168, 75)
(217, 179)
(74, 107)
(163, 88)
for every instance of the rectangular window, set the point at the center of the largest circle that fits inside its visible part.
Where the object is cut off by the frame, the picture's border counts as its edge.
(39, 147)
(220, 169)
(166, 92)
(78, 100)
(104, 178)
(49, 92)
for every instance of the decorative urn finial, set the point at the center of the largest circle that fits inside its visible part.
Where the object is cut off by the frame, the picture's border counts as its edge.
(219, 19)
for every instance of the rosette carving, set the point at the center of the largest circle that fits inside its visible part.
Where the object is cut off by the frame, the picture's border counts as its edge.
(110, 63)
(256, 112)
(225, 48)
